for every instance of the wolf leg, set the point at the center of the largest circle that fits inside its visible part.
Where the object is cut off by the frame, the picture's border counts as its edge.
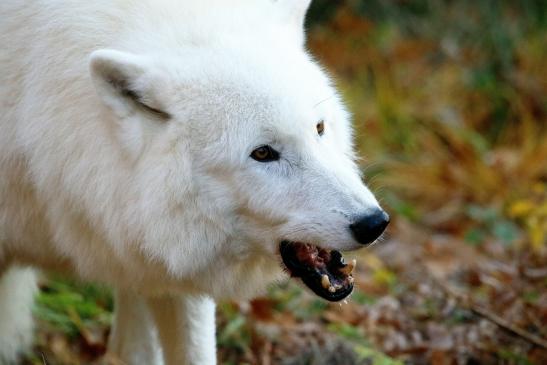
(133, 339)
(186, 329)
(17, 289)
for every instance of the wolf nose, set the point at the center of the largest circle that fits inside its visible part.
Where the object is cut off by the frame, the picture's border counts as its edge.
(369, 227)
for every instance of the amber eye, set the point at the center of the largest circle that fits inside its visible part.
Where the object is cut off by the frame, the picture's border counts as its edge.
(265, 154)
(320, 128)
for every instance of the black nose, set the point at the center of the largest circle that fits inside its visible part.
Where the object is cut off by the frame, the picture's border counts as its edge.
(370, 226)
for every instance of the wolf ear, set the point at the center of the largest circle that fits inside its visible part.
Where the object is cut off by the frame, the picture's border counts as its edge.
(127, 83)
(294, 11)
(292, 14)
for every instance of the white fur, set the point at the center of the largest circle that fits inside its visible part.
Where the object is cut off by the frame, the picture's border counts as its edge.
(98, 186)
(17, 288)
(133, 337)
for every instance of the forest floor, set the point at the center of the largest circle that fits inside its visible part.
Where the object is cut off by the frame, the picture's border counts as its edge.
(420, 298)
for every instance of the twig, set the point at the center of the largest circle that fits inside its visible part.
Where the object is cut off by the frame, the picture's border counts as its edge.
(509, 326)
(466, 302)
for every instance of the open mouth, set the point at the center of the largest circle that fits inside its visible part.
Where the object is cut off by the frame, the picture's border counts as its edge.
(323, 271)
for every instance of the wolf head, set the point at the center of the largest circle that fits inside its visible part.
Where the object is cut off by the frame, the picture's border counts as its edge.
(241, 151)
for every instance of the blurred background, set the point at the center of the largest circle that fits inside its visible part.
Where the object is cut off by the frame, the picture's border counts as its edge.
(450, 109)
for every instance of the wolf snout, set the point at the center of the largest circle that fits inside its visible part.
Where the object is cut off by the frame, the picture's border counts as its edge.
(368, 227)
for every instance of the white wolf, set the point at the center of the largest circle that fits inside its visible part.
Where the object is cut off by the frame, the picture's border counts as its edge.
(180, 151)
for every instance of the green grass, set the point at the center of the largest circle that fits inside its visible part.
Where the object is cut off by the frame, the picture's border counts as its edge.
(67, 306)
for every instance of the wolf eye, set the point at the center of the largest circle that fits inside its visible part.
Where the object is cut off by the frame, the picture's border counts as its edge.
(265, 154)
(320, 128)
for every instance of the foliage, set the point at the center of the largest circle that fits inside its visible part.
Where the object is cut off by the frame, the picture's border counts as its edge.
(71, 307)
